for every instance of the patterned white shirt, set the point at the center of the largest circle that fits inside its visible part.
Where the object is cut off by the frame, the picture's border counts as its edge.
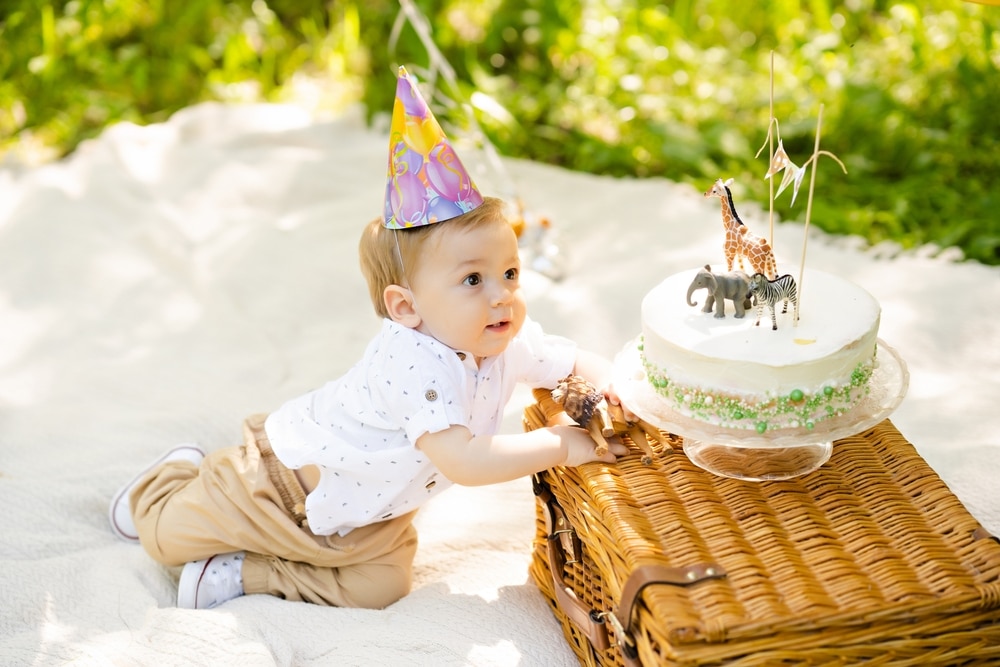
(360, 429)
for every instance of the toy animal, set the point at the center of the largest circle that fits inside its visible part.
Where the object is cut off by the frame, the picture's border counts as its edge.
(734, 285)
(770, 292)
(740, 243)
(585, 405)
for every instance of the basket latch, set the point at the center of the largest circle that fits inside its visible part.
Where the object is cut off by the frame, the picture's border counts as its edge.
(647, 575)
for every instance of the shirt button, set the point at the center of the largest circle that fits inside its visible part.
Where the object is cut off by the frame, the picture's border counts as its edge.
(431, 395)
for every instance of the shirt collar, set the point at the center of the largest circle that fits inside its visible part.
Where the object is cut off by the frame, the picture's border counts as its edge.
(465, 358)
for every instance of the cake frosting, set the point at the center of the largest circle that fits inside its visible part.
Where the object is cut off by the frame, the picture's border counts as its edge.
(732, 373)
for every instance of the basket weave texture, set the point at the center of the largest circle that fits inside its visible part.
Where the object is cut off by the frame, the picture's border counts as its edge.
(869, 559)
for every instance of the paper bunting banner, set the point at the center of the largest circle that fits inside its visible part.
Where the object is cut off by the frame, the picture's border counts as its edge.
(779, 161)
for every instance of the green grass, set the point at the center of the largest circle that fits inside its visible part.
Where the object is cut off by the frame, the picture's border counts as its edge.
(626, 88)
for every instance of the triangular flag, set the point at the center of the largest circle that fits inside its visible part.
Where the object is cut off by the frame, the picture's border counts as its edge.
(779, 161)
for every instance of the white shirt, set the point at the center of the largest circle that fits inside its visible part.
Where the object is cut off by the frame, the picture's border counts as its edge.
(361, 428)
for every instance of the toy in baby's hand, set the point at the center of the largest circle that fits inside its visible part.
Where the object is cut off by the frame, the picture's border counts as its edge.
(586, 405)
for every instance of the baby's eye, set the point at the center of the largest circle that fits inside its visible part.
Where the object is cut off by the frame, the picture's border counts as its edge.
(511, 274)
(472, 280)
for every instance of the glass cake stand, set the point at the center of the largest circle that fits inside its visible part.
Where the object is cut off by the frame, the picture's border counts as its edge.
(775, 454)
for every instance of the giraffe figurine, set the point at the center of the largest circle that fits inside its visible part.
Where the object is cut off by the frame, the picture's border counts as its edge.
(740, 242)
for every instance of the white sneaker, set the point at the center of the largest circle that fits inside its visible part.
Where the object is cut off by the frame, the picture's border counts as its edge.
(208, 583)
(120, 513)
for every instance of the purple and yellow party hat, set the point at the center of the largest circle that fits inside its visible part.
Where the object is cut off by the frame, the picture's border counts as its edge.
(426, 182)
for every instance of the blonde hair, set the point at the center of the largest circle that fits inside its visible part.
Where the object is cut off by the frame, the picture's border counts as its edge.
(387, 255)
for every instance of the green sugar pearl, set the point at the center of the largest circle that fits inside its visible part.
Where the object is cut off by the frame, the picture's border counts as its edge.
(761, 427)
(796, 395)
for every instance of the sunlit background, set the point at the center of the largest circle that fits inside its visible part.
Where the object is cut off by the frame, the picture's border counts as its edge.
(681, 90)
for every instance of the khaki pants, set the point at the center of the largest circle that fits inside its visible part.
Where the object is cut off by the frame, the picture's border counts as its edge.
(244, 499)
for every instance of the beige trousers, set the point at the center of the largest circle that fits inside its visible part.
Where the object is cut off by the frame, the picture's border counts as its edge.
(243, 499)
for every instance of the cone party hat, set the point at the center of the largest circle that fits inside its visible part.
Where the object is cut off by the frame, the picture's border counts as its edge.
(426, 182)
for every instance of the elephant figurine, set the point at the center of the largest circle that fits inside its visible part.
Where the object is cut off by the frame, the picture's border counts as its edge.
(734, 285)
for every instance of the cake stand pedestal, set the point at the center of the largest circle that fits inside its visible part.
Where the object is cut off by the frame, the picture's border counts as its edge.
(776, 454)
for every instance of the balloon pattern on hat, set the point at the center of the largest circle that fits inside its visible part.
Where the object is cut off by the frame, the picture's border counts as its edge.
(426, 181)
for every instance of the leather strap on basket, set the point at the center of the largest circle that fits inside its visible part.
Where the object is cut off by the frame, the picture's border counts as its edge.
(981, 533)
(590, 622)
(647, 575)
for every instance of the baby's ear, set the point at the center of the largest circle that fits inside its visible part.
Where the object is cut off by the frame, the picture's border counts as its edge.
(400, 305)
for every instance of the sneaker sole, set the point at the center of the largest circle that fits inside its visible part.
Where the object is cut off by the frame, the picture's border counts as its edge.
(115, 527)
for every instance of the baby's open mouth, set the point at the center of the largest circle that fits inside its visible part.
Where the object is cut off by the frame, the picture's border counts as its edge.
(498, 325)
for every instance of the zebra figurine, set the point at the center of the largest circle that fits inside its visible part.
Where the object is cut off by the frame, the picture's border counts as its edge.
(770, 292)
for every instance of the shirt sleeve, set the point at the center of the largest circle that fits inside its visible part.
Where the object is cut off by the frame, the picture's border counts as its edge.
(540, 359)
(420, 384)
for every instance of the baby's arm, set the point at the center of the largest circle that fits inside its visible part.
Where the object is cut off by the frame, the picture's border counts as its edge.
(474, 461)
(593, 367)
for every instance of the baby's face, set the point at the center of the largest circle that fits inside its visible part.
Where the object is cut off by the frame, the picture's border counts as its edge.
(467, 289)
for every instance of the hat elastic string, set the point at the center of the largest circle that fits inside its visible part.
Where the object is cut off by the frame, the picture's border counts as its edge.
(402, 268)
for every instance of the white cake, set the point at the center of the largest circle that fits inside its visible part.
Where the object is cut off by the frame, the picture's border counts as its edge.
(734, 374)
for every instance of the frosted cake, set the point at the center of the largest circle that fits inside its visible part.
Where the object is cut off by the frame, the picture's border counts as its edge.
(731, 373)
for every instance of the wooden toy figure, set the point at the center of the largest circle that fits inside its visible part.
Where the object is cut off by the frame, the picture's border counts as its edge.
(586, 405)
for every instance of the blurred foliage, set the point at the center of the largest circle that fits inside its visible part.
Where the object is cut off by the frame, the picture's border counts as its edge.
(68, 69)
(909, 90)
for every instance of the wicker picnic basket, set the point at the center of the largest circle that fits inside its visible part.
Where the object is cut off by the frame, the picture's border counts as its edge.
(869, 559)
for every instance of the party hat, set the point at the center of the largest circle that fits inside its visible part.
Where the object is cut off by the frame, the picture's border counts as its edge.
(426, 182)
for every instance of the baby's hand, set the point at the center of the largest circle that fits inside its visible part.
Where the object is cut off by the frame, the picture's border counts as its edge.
(581, 448)
(611, 396)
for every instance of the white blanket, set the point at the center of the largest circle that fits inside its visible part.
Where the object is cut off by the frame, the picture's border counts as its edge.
(166, 281)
